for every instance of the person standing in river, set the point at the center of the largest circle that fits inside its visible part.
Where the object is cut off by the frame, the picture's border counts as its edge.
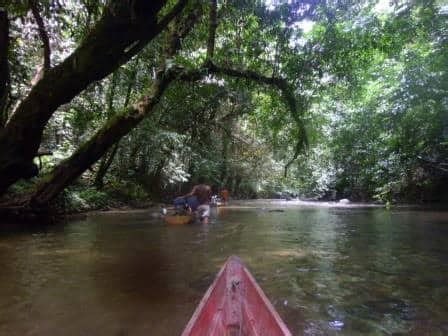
(224, 194)
(203, 193)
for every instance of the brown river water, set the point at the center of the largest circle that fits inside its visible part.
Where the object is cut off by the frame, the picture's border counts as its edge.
(327, 270)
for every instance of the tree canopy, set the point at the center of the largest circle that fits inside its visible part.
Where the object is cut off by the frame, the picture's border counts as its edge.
(327, 98)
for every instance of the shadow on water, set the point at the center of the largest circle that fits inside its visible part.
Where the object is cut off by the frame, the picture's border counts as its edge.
(327, 270)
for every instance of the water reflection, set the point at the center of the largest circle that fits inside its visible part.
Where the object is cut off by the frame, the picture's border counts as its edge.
(328, 271)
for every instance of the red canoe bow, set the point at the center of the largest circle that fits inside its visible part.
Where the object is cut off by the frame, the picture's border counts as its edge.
(234, 305)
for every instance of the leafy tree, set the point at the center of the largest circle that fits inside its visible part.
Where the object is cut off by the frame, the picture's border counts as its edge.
(233, 91)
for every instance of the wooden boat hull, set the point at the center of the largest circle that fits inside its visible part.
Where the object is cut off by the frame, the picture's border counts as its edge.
(178, 219)
(235, 305)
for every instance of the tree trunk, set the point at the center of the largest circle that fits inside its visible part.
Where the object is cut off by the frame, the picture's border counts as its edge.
(107, 160)
(90, 152)
(124, 29)
(225, 152)
(121, 124)
(153, 182)
(4, 67)
(104, 167)
(212, 25)
(42, 33)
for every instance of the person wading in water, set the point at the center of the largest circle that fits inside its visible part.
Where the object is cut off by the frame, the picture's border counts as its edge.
(203, 193)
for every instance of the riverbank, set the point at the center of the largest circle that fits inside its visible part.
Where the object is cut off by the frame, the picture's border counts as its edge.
(74, 202)
(78, 201)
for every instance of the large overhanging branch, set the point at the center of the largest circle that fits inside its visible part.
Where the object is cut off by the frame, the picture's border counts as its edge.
(296, 108)
(115, 129)
(123, 123)
(287, 92)
(162, 24)
(101, 141)
(123, 30)
(119, 125)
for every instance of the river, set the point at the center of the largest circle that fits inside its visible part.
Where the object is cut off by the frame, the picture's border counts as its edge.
(328, 270)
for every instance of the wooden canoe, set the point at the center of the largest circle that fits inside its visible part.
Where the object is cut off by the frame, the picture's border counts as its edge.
(235, 305)
(178, 219)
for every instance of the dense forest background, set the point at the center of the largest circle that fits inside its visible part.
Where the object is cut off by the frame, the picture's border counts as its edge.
(107, 101)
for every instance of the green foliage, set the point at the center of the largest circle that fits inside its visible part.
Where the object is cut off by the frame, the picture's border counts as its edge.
(85, 199)
(381, 135)
(371, 88)
(22, 187)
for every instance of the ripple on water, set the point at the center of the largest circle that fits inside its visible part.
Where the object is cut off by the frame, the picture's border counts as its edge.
(327, 271)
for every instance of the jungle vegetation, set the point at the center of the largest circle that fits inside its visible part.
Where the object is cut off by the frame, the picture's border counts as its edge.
(329, 99)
